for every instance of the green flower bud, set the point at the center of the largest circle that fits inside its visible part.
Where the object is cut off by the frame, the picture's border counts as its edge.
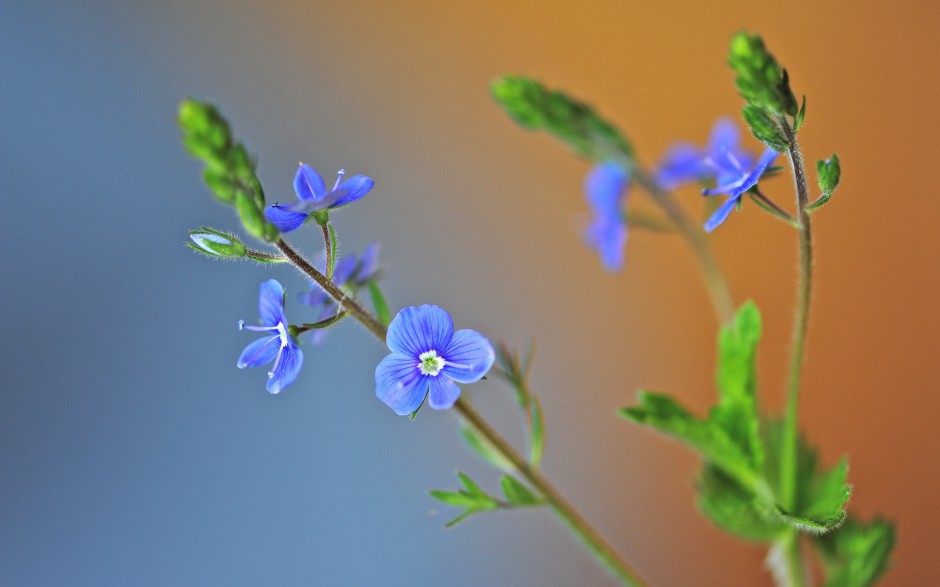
(214, 243)
(828, 173)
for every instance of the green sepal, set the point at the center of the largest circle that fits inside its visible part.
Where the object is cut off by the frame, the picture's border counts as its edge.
(536, 433)
(828, 172)
(251, 215)
(217, 244)
(798, 121)
(321, 217)
(759, 78)
(857, 554)
(735, 509)
(380, 303)
(518, 494)
(535, 107)
(484, 449)
(764, 128)
(220, 185)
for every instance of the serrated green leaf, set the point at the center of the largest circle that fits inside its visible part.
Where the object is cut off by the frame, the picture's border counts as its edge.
(735, 509)
(759, 78)
(534, 106)
(380, 303)
(856, 554)
(812, 525)
(798, 121)
(764, 128)
(736, 411)
(484, 450)
(536, 433)
(517, 493)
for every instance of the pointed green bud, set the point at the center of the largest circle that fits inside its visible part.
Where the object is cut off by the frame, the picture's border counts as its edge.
(213, 243)
(765, 129)
(251, 216)
(222, 187)
(828, 172)
(534, 106)
(206, 134)
(760, 79)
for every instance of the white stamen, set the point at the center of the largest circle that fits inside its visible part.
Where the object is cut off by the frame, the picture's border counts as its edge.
(431, 364)
(339, 178)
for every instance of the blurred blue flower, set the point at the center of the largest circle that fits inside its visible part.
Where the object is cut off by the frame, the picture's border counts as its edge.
(350, 273)
(428, 359)
(720, 160)
(735, 184)
(312, 196)
(605, 189)
(280, 347)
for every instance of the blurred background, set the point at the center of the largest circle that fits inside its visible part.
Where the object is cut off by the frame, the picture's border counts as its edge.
(132, 451)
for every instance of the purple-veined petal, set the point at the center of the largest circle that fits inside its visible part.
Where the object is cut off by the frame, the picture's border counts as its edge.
(609, 238)
(443, 393)
(259, 352)
(308, 184)
(399, 383)
(721, 214)
(286, 367)
(271, 303)
(284, 218)
(368, 264)
(355, 187)
(468, 356)
(417, 329)
(605, 186)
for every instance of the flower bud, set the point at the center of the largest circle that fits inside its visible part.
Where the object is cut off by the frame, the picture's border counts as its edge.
(213, 243)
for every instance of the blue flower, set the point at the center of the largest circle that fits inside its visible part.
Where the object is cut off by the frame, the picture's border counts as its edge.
(351, 273)
(720, 160)
(605, 189)
(312, 197)
(280, 347)
(429, 359)
(735, 184)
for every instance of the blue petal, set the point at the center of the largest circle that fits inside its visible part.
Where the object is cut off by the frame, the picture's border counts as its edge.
(468, 356)
(608, 238)
(443, 394)
(721, 214)
(315, 297)
(418, 329)
(284, 218)
(368, 264)
(344, 269)
(259, 352)
(308, 184)
(682, 164)
(766, 158)
(271, 303)
(286, 368)
(355, 187)
(399, 383)
(604, 187)
(725, 137)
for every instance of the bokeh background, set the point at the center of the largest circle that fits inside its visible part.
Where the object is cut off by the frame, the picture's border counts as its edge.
(133, 452)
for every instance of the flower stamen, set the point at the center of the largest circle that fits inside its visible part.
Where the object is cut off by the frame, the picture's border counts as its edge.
(431, 364)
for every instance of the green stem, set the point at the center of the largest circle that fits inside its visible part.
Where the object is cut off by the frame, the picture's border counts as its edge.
(715, 281)
(789, 458)
(595, 544)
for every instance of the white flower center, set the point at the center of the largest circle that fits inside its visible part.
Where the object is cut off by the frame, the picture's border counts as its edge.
(430, 364)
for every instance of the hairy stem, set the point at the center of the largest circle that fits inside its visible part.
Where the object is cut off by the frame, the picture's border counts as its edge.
(788, 464)
(595, 544)
(715, 280)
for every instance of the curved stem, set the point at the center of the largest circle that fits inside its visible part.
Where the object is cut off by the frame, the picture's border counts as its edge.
(596, 545)
(715, 280)
(789, 458)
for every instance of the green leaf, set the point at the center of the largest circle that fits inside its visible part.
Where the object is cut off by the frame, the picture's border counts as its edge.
(536, 433)
(470, 485)
(735, 509)
(828, 172)
(459, 518)
(381, 304)
(517, 493)
(798, 122)
(764, 128)
(456, 498)
(759, 78)
(856, 554)
(535, 107)
(484, 450)
(736, 411)
(708, 438)
(811, 525)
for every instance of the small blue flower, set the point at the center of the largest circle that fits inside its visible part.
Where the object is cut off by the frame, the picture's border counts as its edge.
(721, 159)
(606, 188)
(427, 358)
(351, 273)
(735, 185)
(312, 197)
(279, 348)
